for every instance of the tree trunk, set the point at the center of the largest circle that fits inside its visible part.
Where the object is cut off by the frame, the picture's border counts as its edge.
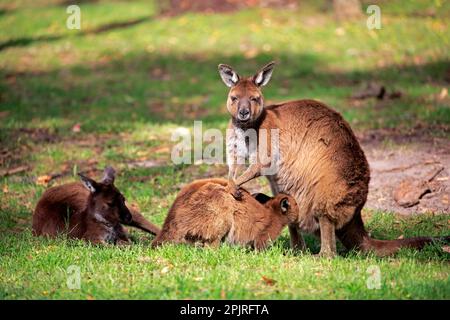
(347, 9)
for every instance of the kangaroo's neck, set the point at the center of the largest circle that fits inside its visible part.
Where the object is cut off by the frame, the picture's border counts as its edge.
(275, 227)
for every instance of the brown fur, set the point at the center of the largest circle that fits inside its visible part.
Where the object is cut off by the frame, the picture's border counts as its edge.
(93, 216)
(322, 166)
(205, 212)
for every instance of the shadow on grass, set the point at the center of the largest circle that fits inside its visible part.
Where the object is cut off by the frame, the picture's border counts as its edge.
(4, 11)
(114, 95)
(26, 41)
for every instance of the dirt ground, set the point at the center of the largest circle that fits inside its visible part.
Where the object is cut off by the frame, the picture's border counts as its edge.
(423, 161)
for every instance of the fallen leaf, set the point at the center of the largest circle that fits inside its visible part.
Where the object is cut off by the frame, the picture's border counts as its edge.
(43, 180)
(5, 189)
(92, 161)
(443, 93)
(446, 249)
(76, 128)
(223, 294)
(339, 32)
(161, 150)
(268, 281)
(165, 270)
(400, 237)
(89, 297)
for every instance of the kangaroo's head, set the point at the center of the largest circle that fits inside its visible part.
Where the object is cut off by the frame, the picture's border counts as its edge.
(245, 100)
(282, 205)
(105, 202)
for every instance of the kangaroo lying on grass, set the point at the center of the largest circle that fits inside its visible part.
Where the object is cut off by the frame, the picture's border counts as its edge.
(321, 164)
(206, 212)
(93, 211)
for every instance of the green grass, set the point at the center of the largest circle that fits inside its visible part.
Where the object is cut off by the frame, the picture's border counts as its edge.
(130, 81)
(37, 268)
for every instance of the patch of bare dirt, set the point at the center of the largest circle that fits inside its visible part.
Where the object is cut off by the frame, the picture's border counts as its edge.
(410, 174)
(177, 7)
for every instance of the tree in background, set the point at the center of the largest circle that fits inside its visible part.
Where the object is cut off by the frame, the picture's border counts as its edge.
(347, 9)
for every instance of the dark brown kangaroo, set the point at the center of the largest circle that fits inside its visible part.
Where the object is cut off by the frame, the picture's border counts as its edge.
(93, 211)
(205, 212)
(320, 163)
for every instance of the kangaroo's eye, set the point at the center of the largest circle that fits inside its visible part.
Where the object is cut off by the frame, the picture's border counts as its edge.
(233, 98)
(255, 99)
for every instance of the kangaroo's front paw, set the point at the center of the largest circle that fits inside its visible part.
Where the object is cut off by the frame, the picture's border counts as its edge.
(123, 242)
(326, 254)
(234, 190)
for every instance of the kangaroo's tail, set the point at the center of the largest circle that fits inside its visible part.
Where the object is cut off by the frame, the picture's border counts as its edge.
(388, 247)
(139, 221)
(354, 236)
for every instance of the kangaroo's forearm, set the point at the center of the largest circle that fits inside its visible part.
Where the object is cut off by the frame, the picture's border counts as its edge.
(139, 221)
(253, 171)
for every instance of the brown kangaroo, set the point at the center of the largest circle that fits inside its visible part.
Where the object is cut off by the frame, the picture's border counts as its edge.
(206, 212)
(93, 211)
(319, 162)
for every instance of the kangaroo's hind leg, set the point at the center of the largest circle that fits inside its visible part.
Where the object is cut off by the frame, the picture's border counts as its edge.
(327, 238)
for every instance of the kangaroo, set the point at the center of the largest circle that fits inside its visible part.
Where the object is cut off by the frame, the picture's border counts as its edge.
(205, 212)
(89, 210)
(319, 162)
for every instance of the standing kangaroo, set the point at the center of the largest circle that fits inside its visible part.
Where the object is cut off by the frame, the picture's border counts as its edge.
(320, 163)
(205, 212)
(90, 210)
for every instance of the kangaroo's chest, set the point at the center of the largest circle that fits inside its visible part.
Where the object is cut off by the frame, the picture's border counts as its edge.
(241, 144)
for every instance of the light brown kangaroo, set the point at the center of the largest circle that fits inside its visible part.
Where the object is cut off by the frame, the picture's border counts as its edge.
(93, 211)
(205, 212)
(318, 160)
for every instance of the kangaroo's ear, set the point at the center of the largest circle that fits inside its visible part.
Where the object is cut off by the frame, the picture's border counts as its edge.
(263, 76)
(261, 197)
(228, 75)
(284, 205)
(109, 175)
(89, 183)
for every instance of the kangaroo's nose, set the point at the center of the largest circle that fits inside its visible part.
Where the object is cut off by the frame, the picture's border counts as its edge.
(244, 114)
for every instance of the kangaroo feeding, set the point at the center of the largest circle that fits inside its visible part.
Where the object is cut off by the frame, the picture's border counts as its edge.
(319, 162)
(205, 212)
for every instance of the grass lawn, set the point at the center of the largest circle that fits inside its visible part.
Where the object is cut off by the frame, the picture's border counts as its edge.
(130, 77)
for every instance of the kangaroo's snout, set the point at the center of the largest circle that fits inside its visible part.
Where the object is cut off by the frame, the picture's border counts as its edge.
(244, 114)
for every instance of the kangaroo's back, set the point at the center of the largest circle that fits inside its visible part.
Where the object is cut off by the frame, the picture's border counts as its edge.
(201, 212)
(322, 163)
(59, 209)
